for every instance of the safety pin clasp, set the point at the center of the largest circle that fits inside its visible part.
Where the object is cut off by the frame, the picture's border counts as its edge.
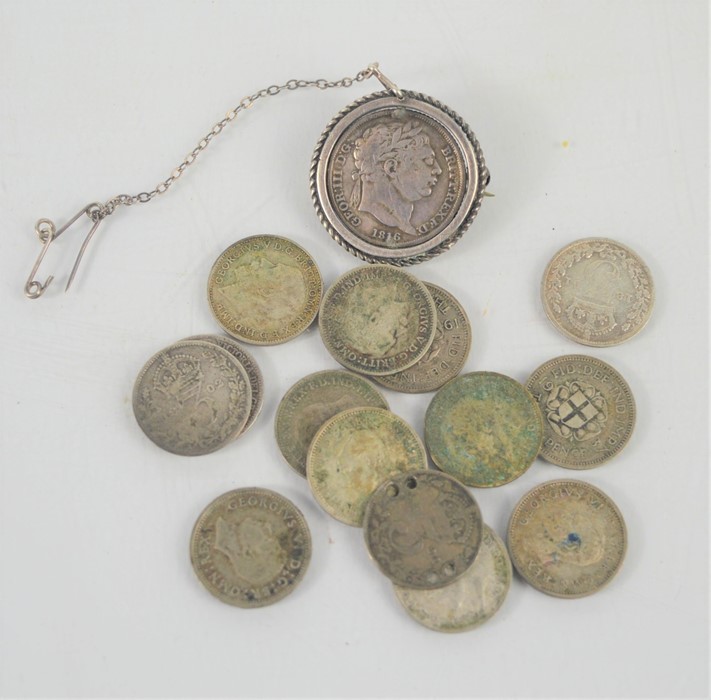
(385, 81)
(47, 233)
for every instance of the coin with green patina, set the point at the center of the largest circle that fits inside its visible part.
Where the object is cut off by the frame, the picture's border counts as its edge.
(483, 428)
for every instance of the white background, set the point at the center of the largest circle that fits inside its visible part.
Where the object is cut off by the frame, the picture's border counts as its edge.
(593, 120)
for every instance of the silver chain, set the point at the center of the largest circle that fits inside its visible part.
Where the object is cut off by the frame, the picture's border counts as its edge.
(101, 211)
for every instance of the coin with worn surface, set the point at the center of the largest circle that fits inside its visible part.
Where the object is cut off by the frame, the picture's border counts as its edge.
(588, 410)
(445, 357)
(470, 600)
(311, 402)
(192, 398)
(264, 290)
(254, 374)
(250, 547)
(567, 538)
(423, 529)
(597, 292)
(397, 179)
(483, 428)
(351, 455)
(377, 320)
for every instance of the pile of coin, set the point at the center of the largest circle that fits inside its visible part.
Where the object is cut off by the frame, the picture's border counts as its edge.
(367, 467)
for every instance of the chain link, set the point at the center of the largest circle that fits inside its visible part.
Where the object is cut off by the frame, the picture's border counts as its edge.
(108, 208)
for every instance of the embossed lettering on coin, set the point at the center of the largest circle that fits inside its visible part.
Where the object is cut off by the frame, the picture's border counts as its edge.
(351, 455)
(250, 547)
(588, 410)
(256, 382)
(311, 402)
(192, 398)
(445, 357)
(483, 428)
(377, 320)
(567, 538)
(597, 292)
(397, 180)
(470, 600)
(423, 529)
(264, 290)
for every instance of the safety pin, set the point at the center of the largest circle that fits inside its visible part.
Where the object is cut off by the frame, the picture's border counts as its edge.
(47, 233)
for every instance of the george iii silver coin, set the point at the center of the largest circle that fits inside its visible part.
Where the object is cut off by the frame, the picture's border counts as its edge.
(397, 179)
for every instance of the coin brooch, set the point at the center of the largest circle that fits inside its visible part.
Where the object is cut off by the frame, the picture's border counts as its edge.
(423, 529)
(377, 320)
(311, 402)
(250, 547)
(567, 538)
(470, 600)
(397, 177)
(588, 410)
(597, 292)
(351, 455)
(446, 356)
(483, 428)
(192, 398)
(264, 290)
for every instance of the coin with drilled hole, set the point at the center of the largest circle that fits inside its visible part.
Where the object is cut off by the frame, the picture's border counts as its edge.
(256, 382)
(192, 398)
(445, 357)
(597, 292)
(311, 402)
(377, 320)
(483, 428)
(250, 547)
(264, 290)
(423, 529)
(469, 601)
(353, 452)
(567, 538)
(588, 410)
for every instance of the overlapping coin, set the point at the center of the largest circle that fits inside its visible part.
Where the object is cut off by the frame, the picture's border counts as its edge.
(377, 320)
(397, 179)
(483, 428)
(597, 292)
(567, 538)
(250, 547)
(588, 410)
(351, 455)
(470, 600)
(423, 529)
(311, 402)
(254, 374)
(192, 398)
(264, 290)
(446, 356)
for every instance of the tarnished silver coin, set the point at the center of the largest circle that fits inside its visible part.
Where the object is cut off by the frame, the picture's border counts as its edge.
(445, 357)
(311, 402)
(423, 529)
(351, 455)
(483, 428)
(597, 292)
(264, 290)
(469, 601)
(377, 320)
(397, 180)
(250, 547)
(588, 410)
(192, 398)
(254, 374)
(567, 538)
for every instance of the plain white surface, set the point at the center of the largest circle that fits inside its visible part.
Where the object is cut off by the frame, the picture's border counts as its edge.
(593, 120)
